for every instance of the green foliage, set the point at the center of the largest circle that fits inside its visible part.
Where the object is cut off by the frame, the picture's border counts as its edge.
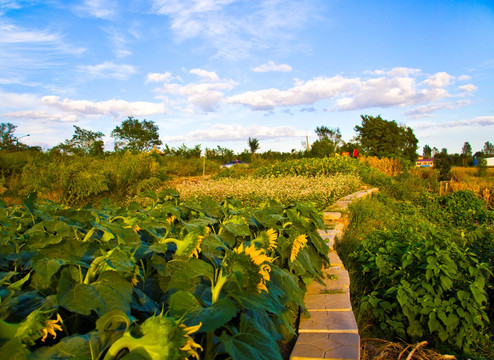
(253, 145)
(442, 162)
(7, 137)
(311, 167)
(99, 281)
(83, 143)
(423, 270)
(183, 151)
(488, 149)
(427, 152)
(135, 135)
(384, 138)
(328, 142)
(482, 167)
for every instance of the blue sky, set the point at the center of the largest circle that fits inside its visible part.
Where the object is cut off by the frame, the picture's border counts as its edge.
(216, 72)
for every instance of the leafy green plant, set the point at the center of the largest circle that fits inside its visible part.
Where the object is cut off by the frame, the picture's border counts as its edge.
(422, 271)
(174, 279)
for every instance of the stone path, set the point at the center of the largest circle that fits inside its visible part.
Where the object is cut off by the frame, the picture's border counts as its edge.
(331, 331)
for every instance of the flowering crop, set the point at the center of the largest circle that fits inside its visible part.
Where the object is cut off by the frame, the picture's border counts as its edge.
(320, 190)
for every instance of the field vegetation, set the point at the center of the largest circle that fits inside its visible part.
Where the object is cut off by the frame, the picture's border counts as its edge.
(143, 253)
(422, 266)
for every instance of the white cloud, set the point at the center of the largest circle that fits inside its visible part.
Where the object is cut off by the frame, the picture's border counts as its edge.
(15, 100)
(235, 28)
(56, 109)
(439, 80)
(398, 87)
(204, 95)
(271, 66)
(158, 77)
(464, 77)
(479, 121)
(428, 110)
(402, 71)
(108, 70)
(208, 75)
(234, 132)
(40, 115)
(119, 41)
(468, 88)
(113, 107)
(103, 9)
(301, 94)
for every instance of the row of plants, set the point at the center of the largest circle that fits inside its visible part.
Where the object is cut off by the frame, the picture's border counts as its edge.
(310, 167)
(176, 279)
(421, 268)
(322, 191)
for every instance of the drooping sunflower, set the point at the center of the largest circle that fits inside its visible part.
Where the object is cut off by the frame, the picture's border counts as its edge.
(190, 245)
(253, 264)
(298, 244)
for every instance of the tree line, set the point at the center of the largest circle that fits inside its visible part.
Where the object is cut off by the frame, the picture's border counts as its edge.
(375, 136)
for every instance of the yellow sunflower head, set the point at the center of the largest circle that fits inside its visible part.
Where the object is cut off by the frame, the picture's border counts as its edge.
(189, 246)
(253, 264)
(298, 244)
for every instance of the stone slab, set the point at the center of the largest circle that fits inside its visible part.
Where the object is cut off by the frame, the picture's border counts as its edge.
(331, 216)
(328, 302)
(334, 260)
(335, 279)
(328, 322)
(326, 232)
(326, 346)
(338, 278)
(341, 205)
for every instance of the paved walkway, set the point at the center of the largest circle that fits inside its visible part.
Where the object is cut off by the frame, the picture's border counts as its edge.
(331, 331)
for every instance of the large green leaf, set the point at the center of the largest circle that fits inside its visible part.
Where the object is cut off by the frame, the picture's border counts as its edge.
(251, 342)
(186, 273)
(77, 347)
(76, 297)
(14, 349)
(183, 303)
(115, 291)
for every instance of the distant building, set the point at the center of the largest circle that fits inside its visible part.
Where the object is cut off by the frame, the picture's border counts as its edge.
(421, 162)
(489, 161)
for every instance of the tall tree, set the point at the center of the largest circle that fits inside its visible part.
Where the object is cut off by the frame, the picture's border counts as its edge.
(442, 162)
(383, 138)
(466, 154)
(135, 135)
(328, 142)
(253, 145)
(427, 152)
(84, 142)
(466, 150)
(488, 149)
(8, 141)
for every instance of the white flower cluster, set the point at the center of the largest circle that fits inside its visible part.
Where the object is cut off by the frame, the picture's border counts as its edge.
(320, 190)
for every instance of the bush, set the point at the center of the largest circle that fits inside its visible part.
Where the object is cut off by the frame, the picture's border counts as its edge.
(422, 270)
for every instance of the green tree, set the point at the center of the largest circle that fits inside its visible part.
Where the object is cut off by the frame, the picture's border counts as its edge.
(488, 149)
(383, 138)
(83, 143)
(328, 142)
(253, 145)
(442, 162)
(135, 135)
(427, 152)
(466, 153)
(8, 141)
